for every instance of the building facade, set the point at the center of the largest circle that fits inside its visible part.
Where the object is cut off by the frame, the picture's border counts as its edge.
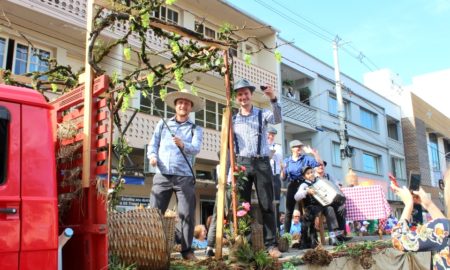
(373, 122)
(426, 131)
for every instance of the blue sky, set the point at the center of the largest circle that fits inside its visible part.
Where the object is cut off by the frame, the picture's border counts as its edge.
(410, 37)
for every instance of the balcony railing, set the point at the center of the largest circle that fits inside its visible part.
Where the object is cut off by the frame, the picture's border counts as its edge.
(142, 127)
(74, 11)
(299, 113)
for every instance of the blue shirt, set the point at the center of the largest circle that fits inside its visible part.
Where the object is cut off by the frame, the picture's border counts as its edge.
(246, 127)
(170, 159)
(296, 228)
(293, 169)
(197, 244)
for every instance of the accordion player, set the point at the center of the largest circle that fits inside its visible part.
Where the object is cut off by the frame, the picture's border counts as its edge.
(326, 192)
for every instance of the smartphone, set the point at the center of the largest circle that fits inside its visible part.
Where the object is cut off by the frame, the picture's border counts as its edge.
(414, 180)
(263, 88)
(393, 180)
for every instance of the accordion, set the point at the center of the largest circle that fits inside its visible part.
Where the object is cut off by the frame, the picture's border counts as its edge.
(326, 192)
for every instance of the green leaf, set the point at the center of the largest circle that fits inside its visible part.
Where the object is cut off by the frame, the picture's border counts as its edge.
(247, 59)
(115, 77)
(125, 103)
(144, 93)
(194, 90)
(163, 93)
(278, 56)
(54, 87)
(170, 2)
(127, 53)
(174, 46)
(150, 79)
(145, 18)
(180, 85)
(132, 89)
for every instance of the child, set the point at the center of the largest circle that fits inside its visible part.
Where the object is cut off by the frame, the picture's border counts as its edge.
(312, 209)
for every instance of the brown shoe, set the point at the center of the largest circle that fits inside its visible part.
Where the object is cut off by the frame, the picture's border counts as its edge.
(274, 252)
(190, 256)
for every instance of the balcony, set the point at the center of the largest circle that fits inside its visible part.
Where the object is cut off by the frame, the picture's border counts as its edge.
(74, 12)
(298, 113)
(142, 127)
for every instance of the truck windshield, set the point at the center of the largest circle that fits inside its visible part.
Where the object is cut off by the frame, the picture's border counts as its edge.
(4, 125)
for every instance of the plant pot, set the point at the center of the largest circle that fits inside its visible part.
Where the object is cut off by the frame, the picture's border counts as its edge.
(283, 244)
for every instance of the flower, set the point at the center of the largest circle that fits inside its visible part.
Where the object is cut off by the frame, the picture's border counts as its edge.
(246, 206)
(243, 169)
(241, 213)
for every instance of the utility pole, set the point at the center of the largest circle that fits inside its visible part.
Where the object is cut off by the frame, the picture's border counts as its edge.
(343, 135)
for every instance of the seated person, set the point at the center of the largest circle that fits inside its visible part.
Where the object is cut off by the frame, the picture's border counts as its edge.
(199, 241)
(296, 226)
(431, 236)
(312, 209)
(334, 213)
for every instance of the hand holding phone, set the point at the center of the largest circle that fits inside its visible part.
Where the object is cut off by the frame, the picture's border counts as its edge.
(393, 179)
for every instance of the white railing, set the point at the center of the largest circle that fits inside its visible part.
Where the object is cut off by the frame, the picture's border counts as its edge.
(299, 113)
(142, 127)
(256, 75)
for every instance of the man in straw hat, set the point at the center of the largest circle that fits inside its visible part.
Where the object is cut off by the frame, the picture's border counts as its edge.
(252, 151)
(173, 174)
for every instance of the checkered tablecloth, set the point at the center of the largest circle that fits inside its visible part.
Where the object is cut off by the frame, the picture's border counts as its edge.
(366, 203)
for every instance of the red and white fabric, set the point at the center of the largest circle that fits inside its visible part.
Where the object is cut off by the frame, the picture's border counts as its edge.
(366, 203)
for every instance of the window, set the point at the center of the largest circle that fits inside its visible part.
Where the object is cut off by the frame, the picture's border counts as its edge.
(368, 119)
(2, 53)
(167, 14)
(434, 152)
(152, 104)
(204, 30)
(392, 127)
(27, 59)
(210, 116)
(336, 154)
(371, 163)
(398, 166)
(333, 107)
(4, 126)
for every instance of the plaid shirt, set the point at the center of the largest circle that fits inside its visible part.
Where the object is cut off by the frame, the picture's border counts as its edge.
(170, 159)
(245, 128)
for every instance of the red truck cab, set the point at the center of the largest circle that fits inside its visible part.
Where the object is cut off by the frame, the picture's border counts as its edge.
(30, 181)
(28, 193)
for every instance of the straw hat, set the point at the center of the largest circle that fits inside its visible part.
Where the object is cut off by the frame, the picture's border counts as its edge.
(295, 143)
(197, 102)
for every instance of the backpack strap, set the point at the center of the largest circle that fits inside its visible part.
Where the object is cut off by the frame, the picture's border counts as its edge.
(236, 145)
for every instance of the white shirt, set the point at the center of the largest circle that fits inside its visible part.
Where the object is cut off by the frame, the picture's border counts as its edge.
(276, 158)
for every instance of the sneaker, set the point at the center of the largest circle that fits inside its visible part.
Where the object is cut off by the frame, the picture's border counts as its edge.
(190, 256)
(274, 252)
(343, 238)
(210, 252)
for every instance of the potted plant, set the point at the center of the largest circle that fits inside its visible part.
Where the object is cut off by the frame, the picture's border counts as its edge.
(305, 94)
(284, 242)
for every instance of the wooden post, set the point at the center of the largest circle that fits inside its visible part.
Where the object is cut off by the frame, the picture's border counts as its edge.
(221, 189)
(87, 125)
(231, 144)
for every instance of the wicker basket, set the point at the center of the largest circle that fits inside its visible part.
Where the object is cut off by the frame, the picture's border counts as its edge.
(169, 221)
(283, 244)
(138, 237)
(257, 237)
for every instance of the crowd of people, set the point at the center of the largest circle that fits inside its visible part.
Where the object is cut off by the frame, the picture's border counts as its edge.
(176, 141)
